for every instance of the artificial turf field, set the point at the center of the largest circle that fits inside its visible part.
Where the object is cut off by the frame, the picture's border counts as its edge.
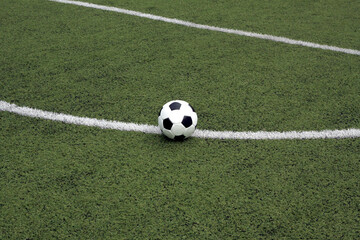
(62, 181)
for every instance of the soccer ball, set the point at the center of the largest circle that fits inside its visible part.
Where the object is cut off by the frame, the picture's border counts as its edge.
(177, 120)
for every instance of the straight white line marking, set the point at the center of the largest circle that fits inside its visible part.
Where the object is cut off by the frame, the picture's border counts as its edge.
(212, 28)
(122, 126)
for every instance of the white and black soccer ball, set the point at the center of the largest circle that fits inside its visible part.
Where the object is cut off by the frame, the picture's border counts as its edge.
(177, 120)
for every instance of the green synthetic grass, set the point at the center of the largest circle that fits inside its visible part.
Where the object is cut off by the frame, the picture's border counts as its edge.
(61, 181)
(103, 64)
(329, 22)
(66, 181)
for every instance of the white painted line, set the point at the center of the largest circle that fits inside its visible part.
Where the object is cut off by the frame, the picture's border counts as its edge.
(262, 135)
(122, 126)
(91, 122)
(212, 28)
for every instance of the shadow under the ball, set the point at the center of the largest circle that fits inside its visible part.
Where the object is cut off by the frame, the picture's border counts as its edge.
(164, 139)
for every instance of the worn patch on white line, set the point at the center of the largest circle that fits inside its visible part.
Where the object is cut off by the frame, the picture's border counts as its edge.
(212, 28)
(122, 126)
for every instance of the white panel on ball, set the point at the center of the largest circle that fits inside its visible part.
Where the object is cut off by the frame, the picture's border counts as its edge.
(160, 122)
(176, 116)
(194, 118)
(165, 112)
(189, 131)
(178, 129)
(168, 133)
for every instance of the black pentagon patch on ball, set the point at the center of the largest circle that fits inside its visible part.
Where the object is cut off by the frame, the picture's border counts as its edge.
(179, 138)
(187, 121)
(175, 106)
(167, 124)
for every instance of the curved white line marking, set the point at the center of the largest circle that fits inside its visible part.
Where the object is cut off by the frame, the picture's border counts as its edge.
(93, 122)
(212, 28)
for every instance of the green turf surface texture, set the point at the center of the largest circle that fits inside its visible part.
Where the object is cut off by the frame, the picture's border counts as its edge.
(60, 181)
(331, 22)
